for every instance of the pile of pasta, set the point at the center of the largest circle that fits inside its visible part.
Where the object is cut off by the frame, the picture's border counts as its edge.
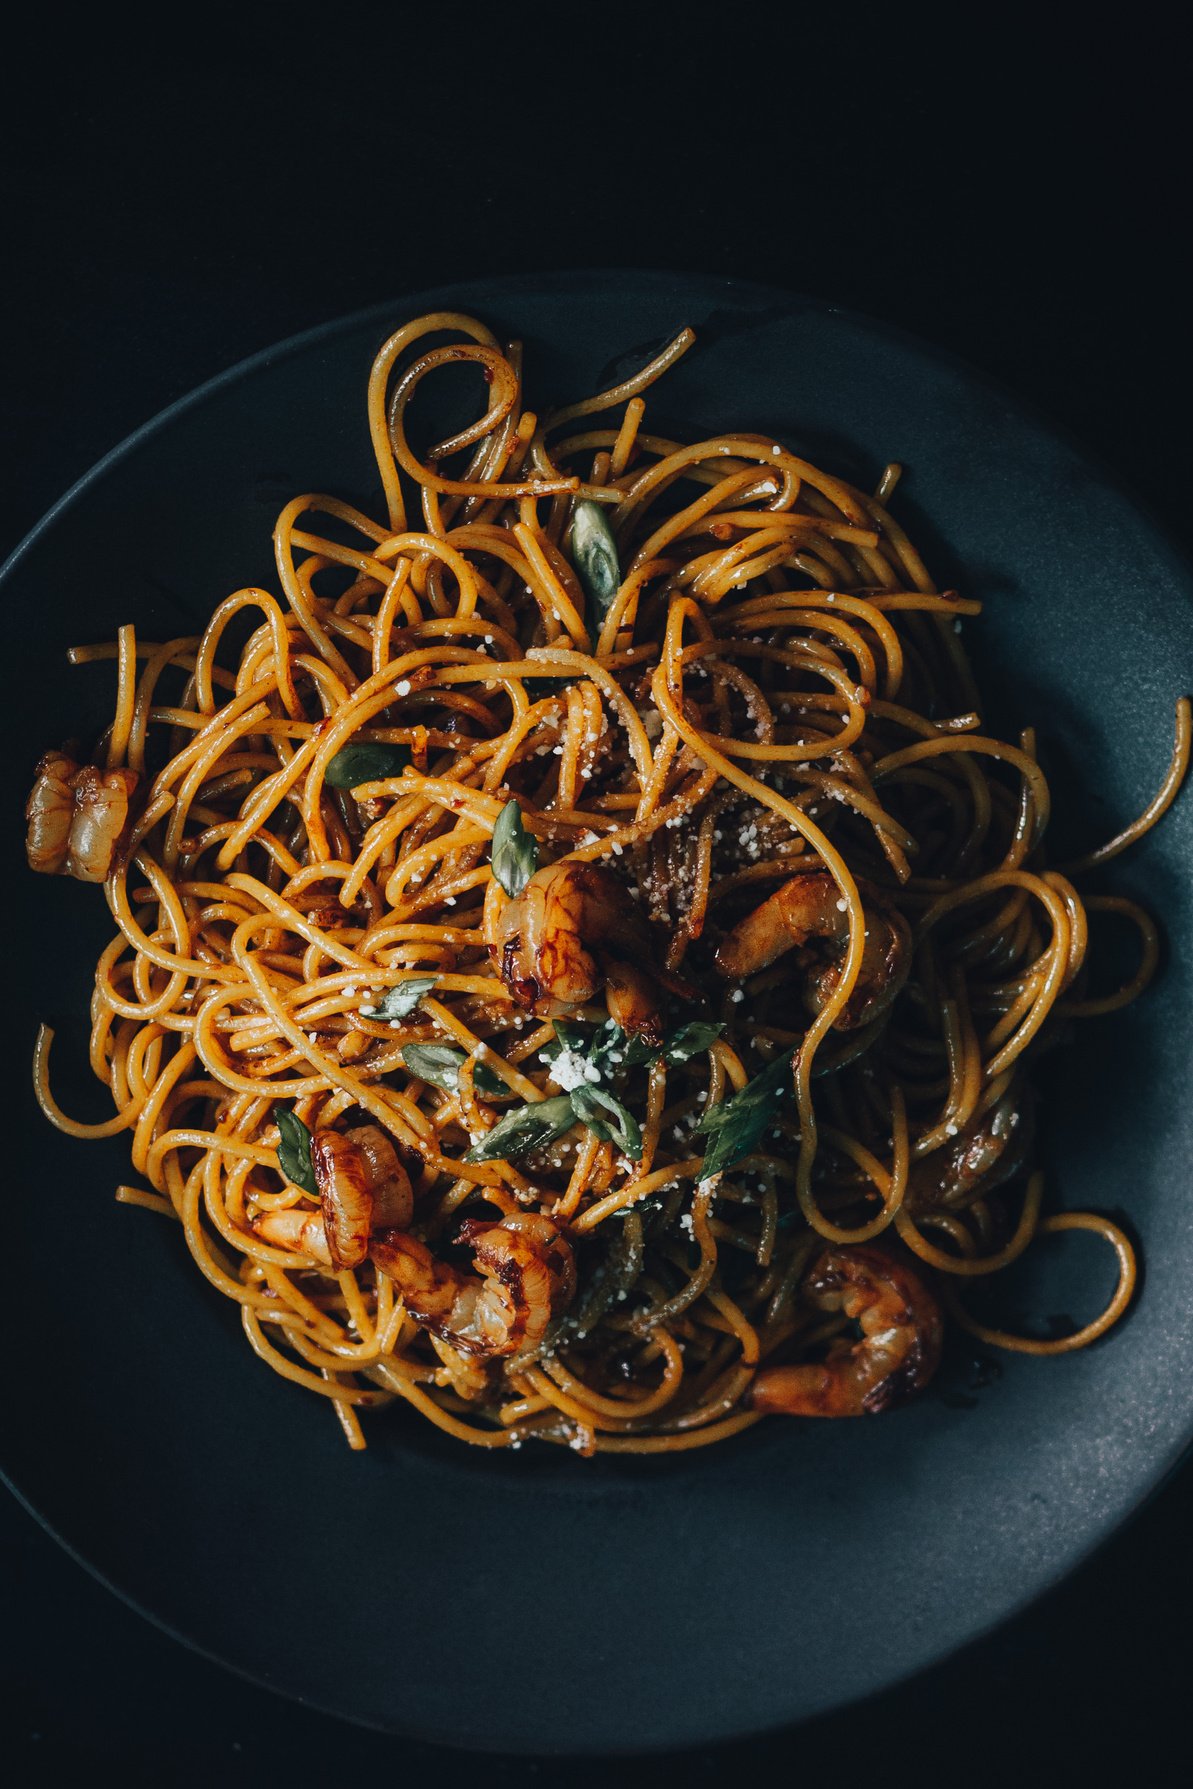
(790, 926)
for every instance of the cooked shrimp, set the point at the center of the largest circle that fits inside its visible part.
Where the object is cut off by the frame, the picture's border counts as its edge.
(79, 818)
(572, 932)
(897, 1355)
(990, 1150)
(808, 913)
(528, 1276)
(298, 1229)
(342, 1178)
(49, 812)
(387, 1179)
(544, 1236)
(361, 1182)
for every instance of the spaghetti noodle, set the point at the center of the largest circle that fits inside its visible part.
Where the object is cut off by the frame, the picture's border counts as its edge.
(576, 958)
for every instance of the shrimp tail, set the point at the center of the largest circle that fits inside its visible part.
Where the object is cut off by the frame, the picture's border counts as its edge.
(633, 1001)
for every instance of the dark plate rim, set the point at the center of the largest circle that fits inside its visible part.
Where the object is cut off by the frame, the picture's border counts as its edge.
(464, 291)
(452, 1742)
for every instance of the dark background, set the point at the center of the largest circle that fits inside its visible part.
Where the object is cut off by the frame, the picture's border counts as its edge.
(170, 206)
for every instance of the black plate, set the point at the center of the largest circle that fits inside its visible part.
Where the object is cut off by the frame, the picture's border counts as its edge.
(535, 1601)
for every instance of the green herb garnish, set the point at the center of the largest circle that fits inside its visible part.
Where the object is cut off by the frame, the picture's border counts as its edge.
(294, 1150)
(612, 1050)
(608, 1050)
(690, 1039)
(440, 1064)
(594, 555)
(605, 1116)
(738, 1125)
(401, 1001)
(365, 763)
(524, 1129)
(570, 1037)
(514, 852)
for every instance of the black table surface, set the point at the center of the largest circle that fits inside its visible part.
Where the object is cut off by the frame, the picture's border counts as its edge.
(169, 209)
